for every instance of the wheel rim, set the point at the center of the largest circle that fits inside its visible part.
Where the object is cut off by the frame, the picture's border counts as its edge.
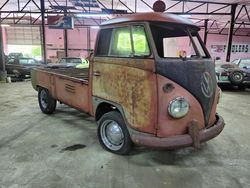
(44, 99)
(112, 135)
(237, 77)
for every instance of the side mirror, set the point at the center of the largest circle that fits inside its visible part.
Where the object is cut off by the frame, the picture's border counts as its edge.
(245, 67)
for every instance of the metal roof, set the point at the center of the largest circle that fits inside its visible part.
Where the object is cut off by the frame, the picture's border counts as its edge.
(217, 12)
(150, 16)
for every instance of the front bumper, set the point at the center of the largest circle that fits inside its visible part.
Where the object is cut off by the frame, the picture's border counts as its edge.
(194, 138)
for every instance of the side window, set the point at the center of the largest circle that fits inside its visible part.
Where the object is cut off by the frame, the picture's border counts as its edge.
(121, 43)
(244, 63)
(11, 61)
(104, 42)
(23, 61)
(31, 61)
(62, 61)
(140, 42)
(236, 61)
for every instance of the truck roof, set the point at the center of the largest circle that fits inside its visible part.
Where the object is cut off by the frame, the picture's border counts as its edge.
(151, 17)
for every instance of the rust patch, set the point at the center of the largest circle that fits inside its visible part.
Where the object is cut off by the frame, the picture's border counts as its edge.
(193, 131)
(144, 64)
(131, 85)
(69, 90)
(43, 79)
(72, 93)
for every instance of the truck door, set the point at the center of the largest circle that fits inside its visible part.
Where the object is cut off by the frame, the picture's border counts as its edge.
(123, 72)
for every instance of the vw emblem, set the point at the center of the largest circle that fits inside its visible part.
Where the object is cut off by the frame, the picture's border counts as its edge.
(206, 85)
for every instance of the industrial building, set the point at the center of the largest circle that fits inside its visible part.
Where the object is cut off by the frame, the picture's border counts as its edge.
(116, 93)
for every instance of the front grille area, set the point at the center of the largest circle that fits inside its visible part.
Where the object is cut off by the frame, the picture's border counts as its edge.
(196, 76)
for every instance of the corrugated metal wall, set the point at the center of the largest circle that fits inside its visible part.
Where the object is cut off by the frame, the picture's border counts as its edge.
(23, 35)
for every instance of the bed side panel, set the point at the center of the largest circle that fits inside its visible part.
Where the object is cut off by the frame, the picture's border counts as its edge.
(72, 93)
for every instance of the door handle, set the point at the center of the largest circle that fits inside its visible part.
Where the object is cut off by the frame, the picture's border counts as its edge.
(97, 73)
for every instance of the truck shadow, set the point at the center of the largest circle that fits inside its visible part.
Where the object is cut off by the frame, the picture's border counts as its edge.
(63, 110)
(76, 119)
(186, 157)
(142, 156)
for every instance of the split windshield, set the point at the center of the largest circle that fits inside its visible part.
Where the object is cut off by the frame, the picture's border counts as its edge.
(177, 42)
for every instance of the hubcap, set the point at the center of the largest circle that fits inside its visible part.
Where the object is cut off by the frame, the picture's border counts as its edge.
(112, 135)
(44, 99)
(237, 77)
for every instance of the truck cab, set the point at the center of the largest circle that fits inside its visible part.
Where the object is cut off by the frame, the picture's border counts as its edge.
(151, 82)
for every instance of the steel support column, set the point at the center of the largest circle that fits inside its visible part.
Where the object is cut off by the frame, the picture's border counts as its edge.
(65, 34)
(205, 31)
(3, 74)
(44, 54)
(231, 32)
(88, 40)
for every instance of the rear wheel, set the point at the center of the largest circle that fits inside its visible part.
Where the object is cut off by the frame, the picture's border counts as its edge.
(46, 102)
(113, 134)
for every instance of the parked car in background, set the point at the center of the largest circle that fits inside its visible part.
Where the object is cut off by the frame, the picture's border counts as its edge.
(20, 67)
(243, 64)
(84, 64)
(15, 55)
(236, 73)
(70, 62)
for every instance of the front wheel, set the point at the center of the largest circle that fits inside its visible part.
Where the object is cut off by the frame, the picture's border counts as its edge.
(113, 134)
(46, 102)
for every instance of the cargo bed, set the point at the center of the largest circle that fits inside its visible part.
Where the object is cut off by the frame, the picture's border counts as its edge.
(80, 74)
(67, 85)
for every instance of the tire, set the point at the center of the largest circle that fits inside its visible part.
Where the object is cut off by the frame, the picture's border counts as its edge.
(16, 73)
(118, 142)
(241, 87)
(236, 77)
(47, 103)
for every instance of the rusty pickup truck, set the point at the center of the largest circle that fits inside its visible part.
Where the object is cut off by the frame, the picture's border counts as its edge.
(150, 81)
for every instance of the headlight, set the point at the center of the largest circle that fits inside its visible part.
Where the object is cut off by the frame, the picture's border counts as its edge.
(178, 107)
